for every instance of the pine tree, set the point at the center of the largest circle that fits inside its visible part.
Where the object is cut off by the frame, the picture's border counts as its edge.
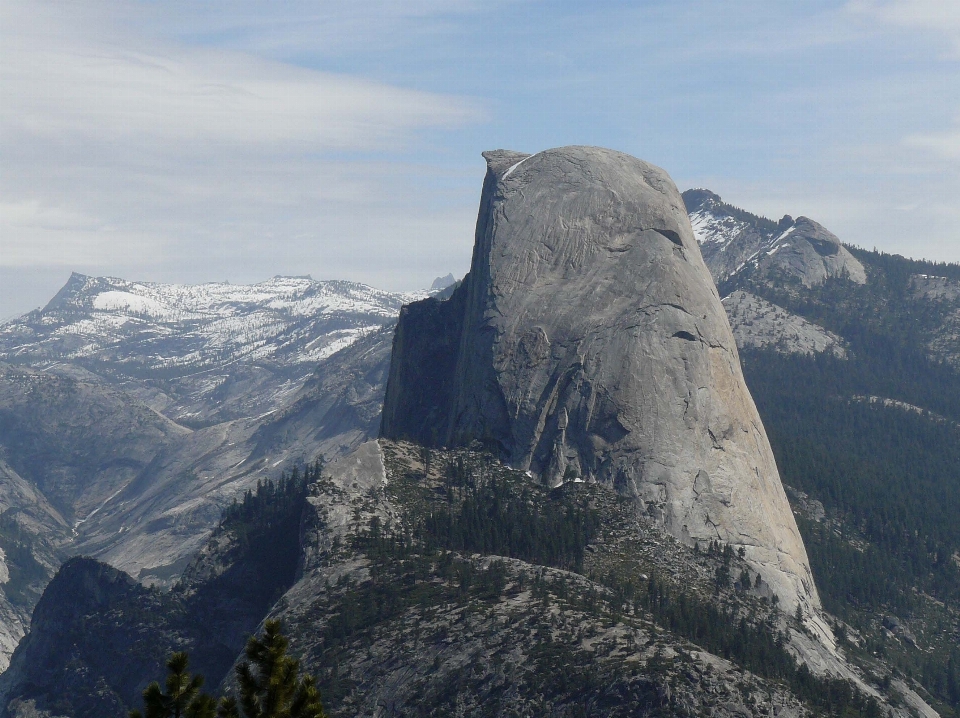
(182, 699)
(269, 688)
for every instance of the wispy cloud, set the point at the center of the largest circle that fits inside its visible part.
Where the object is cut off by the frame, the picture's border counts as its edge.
(936, 17)
(188, 140)
(119, 147)
(60, 80)
(946, 144)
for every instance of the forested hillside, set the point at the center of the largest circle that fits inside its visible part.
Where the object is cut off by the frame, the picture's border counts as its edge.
(875, 438)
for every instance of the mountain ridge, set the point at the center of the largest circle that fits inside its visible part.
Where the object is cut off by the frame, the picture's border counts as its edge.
(199, 354)
(481, 623)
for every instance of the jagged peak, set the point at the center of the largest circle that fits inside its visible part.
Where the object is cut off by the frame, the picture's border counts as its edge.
(441, 283)
(706, 203)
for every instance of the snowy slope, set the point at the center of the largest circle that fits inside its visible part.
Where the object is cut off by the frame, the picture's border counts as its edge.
(203, 353)
(732, 241)
(729, 238)
(285, 319)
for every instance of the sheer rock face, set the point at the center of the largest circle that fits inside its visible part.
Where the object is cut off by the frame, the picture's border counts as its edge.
(589, 341)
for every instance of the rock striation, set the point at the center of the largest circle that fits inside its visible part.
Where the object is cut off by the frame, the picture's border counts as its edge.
(588, 341)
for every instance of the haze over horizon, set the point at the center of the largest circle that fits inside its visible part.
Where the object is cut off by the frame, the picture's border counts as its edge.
(177, 142)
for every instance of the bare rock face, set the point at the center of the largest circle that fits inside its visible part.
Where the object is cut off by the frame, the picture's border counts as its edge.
(589, 341)
(758, 323)
(733, 241)
(813, 254)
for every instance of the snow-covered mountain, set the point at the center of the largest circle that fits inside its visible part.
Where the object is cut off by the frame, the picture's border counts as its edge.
(733, 241)
(247, 380)
(199, 354)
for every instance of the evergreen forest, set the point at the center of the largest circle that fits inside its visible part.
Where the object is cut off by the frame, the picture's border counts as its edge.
(875, 437)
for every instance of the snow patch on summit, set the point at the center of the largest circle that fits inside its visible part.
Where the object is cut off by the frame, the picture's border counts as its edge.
(290, 320)
(710, 228)
(199, 353)
(129, 302)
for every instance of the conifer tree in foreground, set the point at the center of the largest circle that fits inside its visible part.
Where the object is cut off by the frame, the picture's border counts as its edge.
(182, 699)
(270, 687)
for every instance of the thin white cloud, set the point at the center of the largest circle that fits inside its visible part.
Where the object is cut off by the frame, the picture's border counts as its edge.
(938, 17)
(57, 81)
(324, 27)
(945, 144)
(122, 148)
(933, 19)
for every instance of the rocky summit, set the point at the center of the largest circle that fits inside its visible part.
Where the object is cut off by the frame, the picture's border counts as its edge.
(588, 342)
(736, 243)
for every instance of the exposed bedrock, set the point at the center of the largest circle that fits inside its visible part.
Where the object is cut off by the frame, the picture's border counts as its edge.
(588, 340)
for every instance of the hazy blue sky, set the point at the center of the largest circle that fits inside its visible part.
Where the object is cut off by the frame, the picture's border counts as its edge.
(197, 141)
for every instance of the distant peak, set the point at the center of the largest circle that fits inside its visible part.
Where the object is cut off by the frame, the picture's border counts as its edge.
(443, 282)
(73, 287)
(696, 199)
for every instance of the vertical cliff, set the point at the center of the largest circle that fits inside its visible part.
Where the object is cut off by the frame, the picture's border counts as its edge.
(589, 341)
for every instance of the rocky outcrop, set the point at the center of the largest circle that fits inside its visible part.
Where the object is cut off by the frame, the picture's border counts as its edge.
(943, 293)
(395, 612)
(98, 637)
(734, 241)
(338, 407)
(592, 343)
(728, 236)
(420, 394)
(761, 324)
(89, 616)
(808, 251)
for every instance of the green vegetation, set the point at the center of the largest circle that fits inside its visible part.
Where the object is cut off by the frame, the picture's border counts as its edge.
(887, 475)
(495, 517)
(266, 525)
(209, 613)
(889, 479)
(183, 698)
(427, 566)
(268, 680)
(271, 503)
(891, 475)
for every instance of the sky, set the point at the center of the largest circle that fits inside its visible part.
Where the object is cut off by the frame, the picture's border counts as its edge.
(192, 141)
